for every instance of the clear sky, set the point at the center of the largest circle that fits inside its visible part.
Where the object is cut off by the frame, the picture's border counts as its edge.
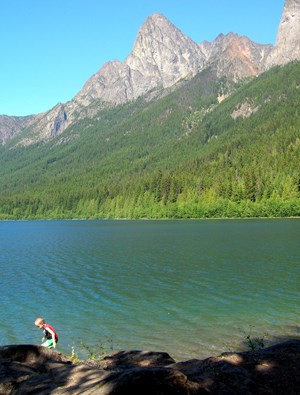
(49, 48)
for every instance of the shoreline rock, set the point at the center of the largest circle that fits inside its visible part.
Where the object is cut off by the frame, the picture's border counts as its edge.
(32, 369)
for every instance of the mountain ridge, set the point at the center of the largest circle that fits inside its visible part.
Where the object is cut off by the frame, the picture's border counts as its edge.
(161, 57)
(182, 155)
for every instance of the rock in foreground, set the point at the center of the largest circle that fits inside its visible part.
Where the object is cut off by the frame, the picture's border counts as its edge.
(30, 369)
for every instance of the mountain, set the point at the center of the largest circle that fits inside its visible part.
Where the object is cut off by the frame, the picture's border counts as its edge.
(179, 130)
(11, 126)
(162, 56)
(236, 56)
(287, 46)
(183, 155)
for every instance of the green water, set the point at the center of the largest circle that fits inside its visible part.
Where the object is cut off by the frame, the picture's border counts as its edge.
(191, 288)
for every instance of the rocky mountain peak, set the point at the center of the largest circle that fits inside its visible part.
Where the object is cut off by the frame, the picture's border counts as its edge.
(163, 54)
(236, 56)
(10, 126)
(287, 46)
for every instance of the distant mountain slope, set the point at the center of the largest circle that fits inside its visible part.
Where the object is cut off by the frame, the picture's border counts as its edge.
(12, 126)
(182, 155)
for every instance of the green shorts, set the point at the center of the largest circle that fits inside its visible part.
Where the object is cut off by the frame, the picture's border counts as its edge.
(48, 343)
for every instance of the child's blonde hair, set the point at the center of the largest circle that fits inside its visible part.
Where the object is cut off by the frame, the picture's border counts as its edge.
(39, 321)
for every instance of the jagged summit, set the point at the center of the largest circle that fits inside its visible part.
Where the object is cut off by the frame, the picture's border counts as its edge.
(162, 55)
(235, 55)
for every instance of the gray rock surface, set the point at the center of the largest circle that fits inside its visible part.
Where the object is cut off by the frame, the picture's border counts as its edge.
(287, 46)
(236, 56)
(161, 57)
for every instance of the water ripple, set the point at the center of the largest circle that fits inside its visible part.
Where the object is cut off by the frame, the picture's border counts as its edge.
(191, 288)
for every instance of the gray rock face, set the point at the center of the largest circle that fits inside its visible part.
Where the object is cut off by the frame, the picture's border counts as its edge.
(287, 46)
(110, 84)
(12, 126)
(235, 56)
(162, 55)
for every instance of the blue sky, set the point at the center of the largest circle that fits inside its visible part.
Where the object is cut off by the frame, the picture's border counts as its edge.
(49, 48)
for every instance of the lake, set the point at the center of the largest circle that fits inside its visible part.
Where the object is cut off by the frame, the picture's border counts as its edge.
(192, 288)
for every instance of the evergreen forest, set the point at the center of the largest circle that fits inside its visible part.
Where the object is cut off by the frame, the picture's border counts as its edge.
(182, 153)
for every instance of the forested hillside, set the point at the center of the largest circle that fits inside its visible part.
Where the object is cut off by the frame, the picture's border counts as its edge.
(183, 155)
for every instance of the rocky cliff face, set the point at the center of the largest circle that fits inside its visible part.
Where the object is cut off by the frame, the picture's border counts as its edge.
(12, 126)
(235, 56)
(287, 46)
(162, 55)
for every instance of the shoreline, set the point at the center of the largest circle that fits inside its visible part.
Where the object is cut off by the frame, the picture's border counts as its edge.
(149, 219)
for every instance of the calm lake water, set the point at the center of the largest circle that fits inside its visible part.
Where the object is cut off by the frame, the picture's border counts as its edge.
(190, 288)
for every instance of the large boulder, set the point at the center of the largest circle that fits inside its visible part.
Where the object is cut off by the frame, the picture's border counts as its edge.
(30, 369)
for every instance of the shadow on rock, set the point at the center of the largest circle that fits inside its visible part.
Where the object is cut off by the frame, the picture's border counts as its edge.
(30, 369)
